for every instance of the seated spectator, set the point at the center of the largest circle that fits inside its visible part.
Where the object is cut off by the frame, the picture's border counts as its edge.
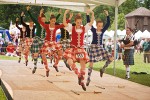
(10, 49)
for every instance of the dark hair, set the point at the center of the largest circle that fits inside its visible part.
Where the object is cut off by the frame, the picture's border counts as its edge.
(52, 17)
(42, 15)
(130, 29)
(78, 17)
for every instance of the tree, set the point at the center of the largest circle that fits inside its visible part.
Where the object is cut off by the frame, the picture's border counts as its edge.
(11, 12)
(128, 6)
(121, 22)
(145, 3)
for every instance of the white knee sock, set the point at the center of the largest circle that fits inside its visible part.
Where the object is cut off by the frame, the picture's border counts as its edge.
(128, 72)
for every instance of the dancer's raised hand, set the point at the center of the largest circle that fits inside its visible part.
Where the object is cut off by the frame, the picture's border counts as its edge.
(71, 15)
(66, 11)
(106, 12)
(59, 11)
(28, 8)
(41, 11)
(22, 14)
(17, 19)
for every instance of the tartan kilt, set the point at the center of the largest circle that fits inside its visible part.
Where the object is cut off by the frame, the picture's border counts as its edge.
(49, 47)
(28, 41)
(21, 45)
(76, 53)
(98, 53)
(36, 45)
(129, 57)
(65, 44)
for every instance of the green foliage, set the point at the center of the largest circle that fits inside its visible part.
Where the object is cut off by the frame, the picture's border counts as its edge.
(145, 3)
(121, 22)
(99, 13)
(129, 6)
(11, 12)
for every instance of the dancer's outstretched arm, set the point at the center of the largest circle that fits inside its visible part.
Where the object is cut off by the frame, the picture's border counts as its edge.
(39, 19)
(64, 18)
(92, 18)
(17, 19)
(58, 14)
(87, 16)
(108, 21)
(31, 16)
(22, 22)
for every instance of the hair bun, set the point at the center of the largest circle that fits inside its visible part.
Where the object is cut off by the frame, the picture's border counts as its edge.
(52, 16)
(42, 15)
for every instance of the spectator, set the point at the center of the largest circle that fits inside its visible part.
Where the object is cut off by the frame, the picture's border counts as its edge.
(108, 45)
(146, 49)
(141, 45)
(10, 49)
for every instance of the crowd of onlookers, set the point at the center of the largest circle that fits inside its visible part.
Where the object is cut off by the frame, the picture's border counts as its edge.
(143, 46)
(10, 48)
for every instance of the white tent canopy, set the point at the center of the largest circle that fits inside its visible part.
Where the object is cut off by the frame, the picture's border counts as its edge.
(146, 34)
(77, 5)
(138, 35)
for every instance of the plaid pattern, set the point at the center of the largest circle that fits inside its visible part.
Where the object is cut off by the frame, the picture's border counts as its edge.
(36, 45)
(98, 53)
(65, 44)
(21, 45)
(76, 54)
(129, 57)
(50, 46)
(28, 42)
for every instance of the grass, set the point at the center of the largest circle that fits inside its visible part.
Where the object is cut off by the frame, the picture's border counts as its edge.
(3, 57)
(139, 66)
(2, 95)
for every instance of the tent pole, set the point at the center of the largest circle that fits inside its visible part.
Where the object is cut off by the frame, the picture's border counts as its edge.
(115, 35)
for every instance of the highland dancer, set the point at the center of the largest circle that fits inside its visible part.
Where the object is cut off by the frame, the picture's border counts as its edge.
(50, 46)
(29, 37)
(38, 41)
(97, 51)
(77, 53)
(22, 38)
(65, 40)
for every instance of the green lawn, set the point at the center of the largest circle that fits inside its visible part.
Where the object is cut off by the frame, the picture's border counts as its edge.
(139, 66)
(2, 95)
(3, 57)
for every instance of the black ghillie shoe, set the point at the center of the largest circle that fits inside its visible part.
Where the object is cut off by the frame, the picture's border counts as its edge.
(19, 60)
(56, 68)
(126, 77)
(83, 86)
(88, 81)
(101, 73)
(47, 73)
(26, 62)
(41, 61)
(34, 70)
